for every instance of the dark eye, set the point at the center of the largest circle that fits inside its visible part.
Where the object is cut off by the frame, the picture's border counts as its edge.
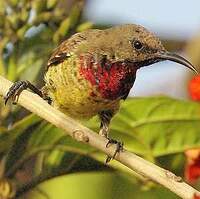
(137, 45)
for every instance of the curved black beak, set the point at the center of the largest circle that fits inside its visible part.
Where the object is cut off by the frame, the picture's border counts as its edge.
(165, 55)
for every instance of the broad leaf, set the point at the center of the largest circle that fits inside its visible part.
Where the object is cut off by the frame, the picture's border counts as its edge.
(151, 127)
(156, 126)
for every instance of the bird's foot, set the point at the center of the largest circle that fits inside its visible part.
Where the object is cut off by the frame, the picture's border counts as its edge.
(48, 99)
(119, 148)
(17, 88)
(14, 91)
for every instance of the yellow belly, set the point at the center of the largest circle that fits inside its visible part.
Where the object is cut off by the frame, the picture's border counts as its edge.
(71, 93)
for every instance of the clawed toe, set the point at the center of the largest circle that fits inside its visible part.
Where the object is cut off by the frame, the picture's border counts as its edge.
(15, 91)
(18, 87)
(119, 148)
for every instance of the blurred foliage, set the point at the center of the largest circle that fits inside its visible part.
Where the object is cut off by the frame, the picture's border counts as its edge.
(33, 151)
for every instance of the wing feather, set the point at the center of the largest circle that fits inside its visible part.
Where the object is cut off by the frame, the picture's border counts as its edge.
(65, 49)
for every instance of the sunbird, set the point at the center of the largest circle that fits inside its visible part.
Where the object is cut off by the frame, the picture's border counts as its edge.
(92, 71)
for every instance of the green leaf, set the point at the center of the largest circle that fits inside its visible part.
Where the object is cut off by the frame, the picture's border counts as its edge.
(39, 6)
(62, 30)
(51, 3)
(29, 67)
(156, 126)
(151, 127)
(55, 144)
(97, 185)
(75, 13)
(12, 68)
(7, 137)
(2, 67)
(48, 137)
(54, 151)
(84, 26)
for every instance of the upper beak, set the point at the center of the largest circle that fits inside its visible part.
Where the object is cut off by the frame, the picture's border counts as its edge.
(176, 58)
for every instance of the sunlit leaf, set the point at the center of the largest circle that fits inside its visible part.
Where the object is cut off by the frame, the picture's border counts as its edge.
(157, 126)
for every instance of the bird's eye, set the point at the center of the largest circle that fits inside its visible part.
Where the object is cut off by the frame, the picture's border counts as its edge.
(137, 45)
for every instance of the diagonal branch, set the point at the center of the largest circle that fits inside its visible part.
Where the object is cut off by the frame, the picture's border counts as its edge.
(35, 104)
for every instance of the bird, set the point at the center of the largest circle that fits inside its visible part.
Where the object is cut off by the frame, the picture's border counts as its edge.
(91, 72)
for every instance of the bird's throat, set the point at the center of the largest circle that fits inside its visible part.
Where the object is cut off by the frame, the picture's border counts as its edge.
(112, 80)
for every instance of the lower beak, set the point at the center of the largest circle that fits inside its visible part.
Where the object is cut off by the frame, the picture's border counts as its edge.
(176, 58)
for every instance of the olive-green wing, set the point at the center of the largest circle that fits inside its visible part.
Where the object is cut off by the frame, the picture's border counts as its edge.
(65, 49)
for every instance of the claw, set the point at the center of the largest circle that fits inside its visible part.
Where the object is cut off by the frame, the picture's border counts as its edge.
(108, 159)
(119, 148)
(6, 100)
(18, 87)
(15, 91)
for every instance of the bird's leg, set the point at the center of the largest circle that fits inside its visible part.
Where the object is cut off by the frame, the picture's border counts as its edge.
(18, 87)
(105, 117)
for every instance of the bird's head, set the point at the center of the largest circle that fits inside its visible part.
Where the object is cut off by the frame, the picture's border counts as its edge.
(135, 44)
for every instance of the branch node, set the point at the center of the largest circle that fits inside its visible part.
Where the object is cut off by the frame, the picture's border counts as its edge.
(80, 136)
(172, 176)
